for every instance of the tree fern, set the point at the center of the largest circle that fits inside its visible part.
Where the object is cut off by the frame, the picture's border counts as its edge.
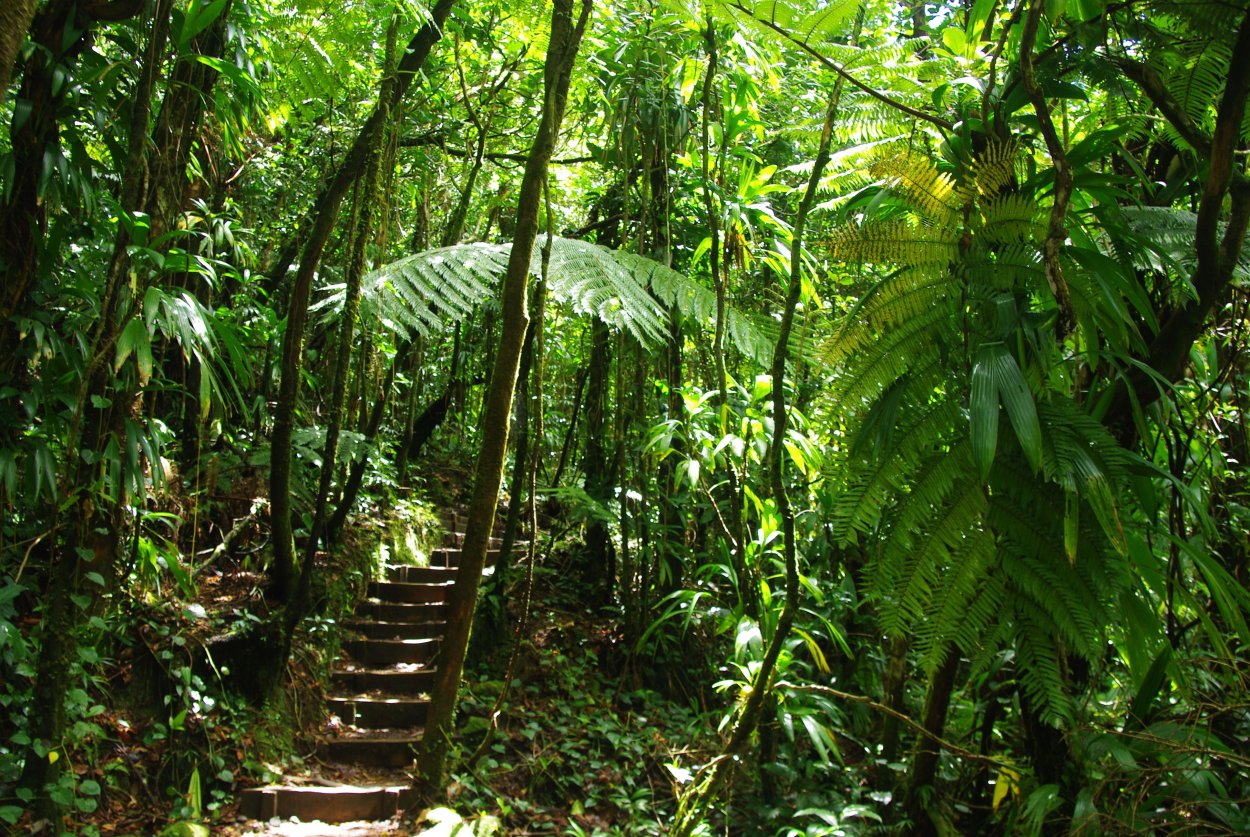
(425, 293)
(976, 533)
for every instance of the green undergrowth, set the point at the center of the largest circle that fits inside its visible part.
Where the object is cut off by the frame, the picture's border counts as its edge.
(577, 750)
(584, 749)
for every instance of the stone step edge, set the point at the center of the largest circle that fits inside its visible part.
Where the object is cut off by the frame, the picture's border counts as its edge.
(329, 804)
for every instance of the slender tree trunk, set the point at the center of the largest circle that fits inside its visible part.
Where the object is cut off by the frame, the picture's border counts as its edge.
(520, 455)
(598, 558)
(626, 563)
(326, 213)
(409, 411)
(925, 763)
(694, 801)
(356, 476)
(571, 433)
(748, 581)
(893, 687)
(566, 36)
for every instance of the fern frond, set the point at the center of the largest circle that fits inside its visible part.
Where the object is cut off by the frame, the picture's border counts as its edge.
(861, 502)
(607, 284)
(896, 242)
(826, 23)
(863, 119)
(904, 580)
(808, 29)
(1011, 219)
(930, 488)
(918, 180)
(1032, 558)
(895, 60)
(1038, 666)
(913, 345)
(1017, 266)
(964, 605)
(991, 171)
(754, 339)
(424, 293)
(907, 294)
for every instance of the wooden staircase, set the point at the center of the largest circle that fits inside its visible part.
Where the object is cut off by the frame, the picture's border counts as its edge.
(379, 696)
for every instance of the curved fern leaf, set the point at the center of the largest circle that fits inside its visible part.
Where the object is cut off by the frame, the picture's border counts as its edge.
(424, 293)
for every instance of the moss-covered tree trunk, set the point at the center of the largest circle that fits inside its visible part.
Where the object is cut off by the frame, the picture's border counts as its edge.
(325, 211)
(566, 36)
(362, 231)
(15, 18)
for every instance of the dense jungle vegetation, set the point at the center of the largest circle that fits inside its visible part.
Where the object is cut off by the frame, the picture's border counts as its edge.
(869, 377)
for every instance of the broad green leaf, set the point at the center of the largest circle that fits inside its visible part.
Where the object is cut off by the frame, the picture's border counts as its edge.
(199, 17)
(134, 340)
(983, 410)
(1016, 397)
(1071, 524)
(955, 40)
(977, 18)
(1156, 678)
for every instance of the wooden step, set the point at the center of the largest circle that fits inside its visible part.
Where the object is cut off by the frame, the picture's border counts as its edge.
(379, 713)
(413, 612)
(395, 681)
(340, 803)
(457, 539)
(372, 629)
(411, 574)
(450, 557)
(375, 652)
(409, 593)
(386, 749)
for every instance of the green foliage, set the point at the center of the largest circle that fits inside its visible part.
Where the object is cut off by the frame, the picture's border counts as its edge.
(930, 358)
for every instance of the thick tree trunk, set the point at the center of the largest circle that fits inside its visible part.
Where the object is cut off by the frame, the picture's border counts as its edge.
(566, 36)
(925, 763)
(91, 539)
(15, 20)
(1218, 242)
(60, 31)
(326, 213)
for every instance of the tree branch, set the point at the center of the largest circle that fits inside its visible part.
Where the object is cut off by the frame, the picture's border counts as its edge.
(842, 73)
(919, 728)
(1152, 85)
(1057, 232)
(1168, 354)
